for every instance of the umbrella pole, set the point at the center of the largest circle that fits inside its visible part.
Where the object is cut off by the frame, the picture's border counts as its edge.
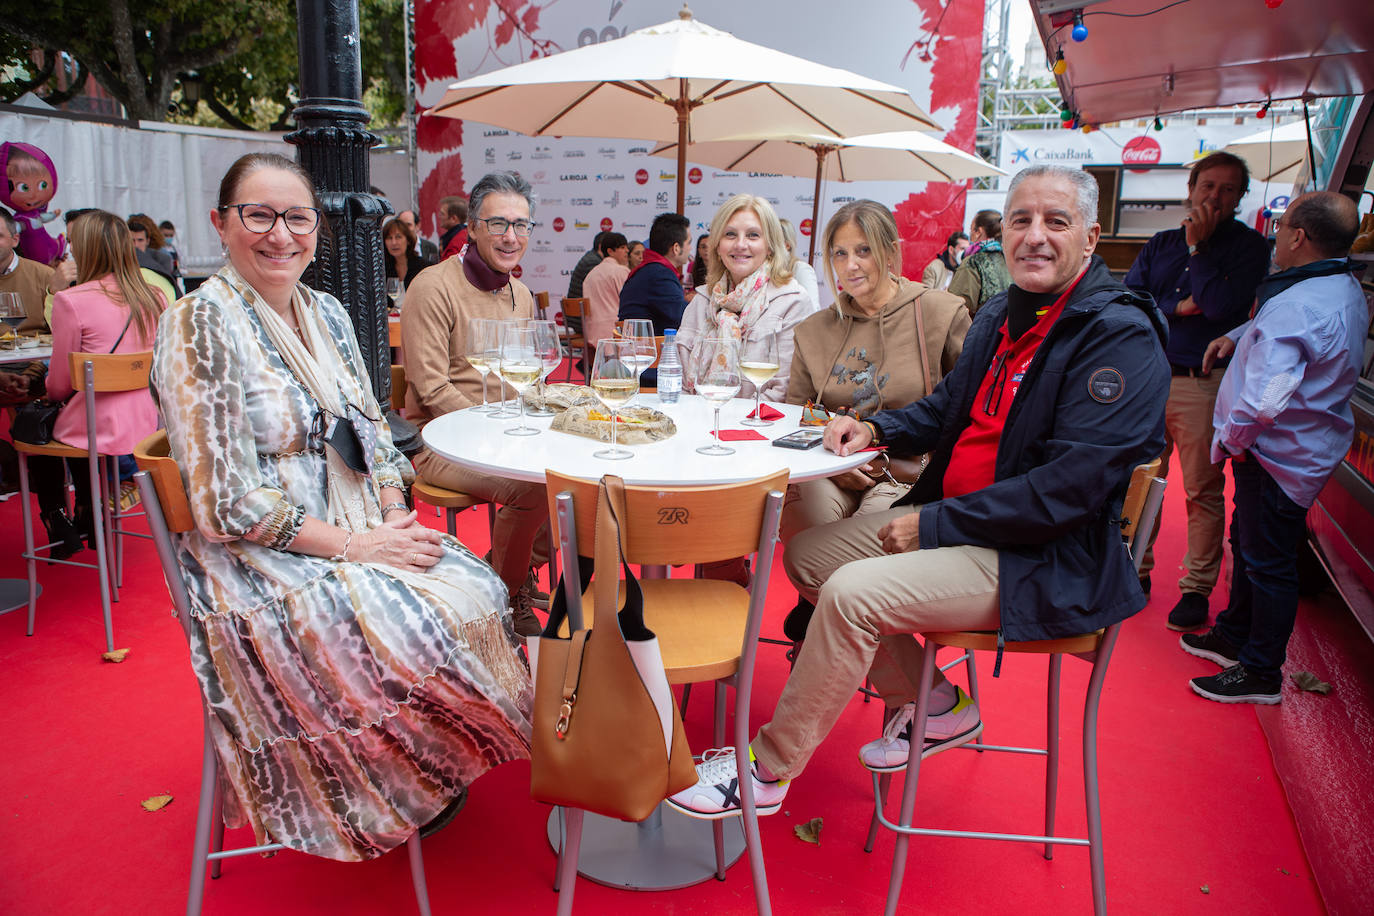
(682, 110)
(816, 205)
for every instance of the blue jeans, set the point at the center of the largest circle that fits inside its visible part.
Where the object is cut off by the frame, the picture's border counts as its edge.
(1267, 531)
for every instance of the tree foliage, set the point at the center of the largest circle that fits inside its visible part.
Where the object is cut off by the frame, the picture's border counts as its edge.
(244, 52)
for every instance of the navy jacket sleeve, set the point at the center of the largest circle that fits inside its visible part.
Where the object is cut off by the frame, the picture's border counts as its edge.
(654, 293)
(1224, 278)
(1090, 450)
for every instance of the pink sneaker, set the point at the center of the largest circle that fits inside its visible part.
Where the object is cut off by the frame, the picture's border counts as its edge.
(949, 729)
(716, 794)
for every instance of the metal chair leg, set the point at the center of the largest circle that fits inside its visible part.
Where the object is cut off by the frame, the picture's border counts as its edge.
(913, 772)
(1052, 749)
(718, 826)
(567, 868)
(1093, 801)
(101, 546)
(971, 669)
(200, 846)
(562, 847)
(417, 873)
(25, 504)
(884, 786)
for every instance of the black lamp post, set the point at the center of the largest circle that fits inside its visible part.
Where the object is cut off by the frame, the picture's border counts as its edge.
(332, 142)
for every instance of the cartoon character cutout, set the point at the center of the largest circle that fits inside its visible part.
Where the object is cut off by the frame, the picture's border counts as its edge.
(30, 183)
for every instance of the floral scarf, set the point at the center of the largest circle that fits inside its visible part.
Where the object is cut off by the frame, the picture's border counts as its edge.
(730, 313)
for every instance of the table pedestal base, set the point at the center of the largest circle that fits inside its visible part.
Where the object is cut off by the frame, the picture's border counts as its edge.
(14, 594)
(667, 851)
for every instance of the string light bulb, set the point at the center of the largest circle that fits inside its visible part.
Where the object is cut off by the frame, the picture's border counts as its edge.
(1060, 64)
(1089, 128)
(1273, 4)
(1263, 112)
(1080, 31)
(1065, 114)
(1159, 125)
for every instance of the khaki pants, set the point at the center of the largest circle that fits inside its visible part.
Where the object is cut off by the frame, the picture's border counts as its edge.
(868, 605)
(523, 511)
(820, 502)
(1188, 428)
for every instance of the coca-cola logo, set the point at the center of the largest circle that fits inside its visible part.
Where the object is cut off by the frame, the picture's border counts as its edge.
(558, 224)
(606, 224)
(642, 176)
(806, 227)
(516, 271)
(694, 175)
(1141, 150)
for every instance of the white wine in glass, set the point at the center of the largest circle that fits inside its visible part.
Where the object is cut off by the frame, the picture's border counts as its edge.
(13, 313)
(550, 349)
(717, 380)
(640, 332)
(760, 366)
(520, 366)
(480, 343)
(615, 379)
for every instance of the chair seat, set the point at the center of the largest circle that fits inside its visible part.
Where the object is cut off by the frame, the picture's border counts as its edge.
(699, 624)
(986, 640)
(442, 497)
(54, 448)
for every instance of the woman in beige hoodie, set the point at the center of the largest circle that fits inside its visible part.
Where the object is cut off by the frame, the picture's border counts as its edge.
(863, 356)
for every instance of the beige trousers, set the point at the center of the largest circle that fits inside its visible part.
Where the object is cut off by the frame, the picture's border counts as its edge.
(523, 511)
(1188, 428)
(820, 502)
(868, 605)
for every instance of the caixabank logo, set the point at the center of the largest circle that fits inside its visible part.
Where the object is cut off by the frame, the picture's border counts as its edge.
(610, 176)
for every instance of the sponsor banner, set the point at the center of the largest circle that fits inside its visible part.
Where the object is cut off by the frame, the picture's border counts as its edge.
(584, 184)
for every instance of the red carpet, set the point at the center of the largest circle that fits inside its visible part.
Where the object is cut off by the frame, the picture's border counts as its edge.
(1195, 817)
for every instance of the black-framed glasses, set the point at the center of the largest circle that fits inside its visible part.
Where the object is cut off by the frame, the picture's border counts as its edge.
(260, 218)
(999, 382)
(498, 226)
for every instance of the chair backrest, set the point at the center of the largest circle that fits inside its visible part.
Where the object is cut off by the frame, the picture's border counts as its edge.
(541, 304)
(668, 525)
(153, 455)
(574, 306)
(1144, 497)
(111, 371)
(398, 387)
(393, 330)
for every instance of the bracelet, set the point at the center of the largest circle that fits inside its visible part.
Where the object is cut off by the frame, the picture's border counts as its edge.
(342, 555)
(396, 505)
(876, 433)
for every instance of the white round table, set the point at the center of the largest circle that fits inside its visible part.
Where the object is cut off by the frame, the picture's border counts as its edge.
(668, 850)
(478, 442)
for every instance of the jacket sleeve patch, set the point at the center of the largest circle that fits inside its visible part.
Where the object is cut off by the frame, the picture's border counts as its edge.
(1106, 385)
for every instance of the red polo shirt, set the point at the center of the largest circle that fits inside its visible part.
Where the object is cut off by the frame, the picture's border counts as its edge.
(973, 463)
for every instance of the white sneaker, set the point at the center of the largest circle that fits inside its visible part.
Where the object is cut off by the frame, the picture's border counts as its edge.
(716, 794)
(949, 729)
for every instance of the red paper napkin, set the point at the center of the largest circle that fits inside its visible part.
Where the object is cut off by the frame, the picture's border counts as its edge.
(766, 412)
(739, 435)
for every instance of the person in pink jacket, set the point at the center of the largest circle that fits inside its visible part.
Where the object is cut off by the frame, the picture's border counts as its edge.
(110, 310)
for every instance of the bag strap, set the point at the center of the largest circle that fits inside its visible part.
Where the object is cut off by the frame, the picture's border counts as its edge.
(610, 563)
(921, 344)
(120, 339)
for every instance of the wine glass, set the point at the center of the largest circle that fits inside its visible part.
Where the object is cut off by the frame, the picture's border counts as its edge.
(549, 346)
(717, 380)
(615, 379)
(640, 331)
(520, 366)
(13, 313)
(761, 365)
(396, 291)
(481, 344)
(501, 410)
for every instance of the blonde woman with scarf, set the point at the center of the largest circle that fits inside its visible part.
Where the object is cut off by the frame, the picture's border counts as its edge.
(359, 669)
(749, 292)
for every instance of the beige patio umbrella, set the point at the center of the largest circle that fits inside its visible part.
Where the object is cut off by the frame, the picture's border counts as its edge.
(902, 156)
(1274, 154)
(681, 81)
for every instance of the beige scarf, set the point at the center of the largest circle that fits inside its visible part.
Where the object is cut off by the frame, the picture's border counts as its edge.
(353, 498)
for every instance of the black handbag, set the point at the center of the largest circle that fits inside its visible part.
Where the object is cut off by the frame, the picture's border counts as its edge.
(34, 421)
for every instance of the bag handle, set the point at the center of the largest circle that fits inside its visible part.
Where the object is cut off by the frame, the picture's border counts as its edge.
(609, 562)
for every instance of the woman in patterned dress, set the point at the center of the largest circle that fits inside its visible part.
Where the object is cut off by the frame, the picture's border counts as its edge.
(359, 669)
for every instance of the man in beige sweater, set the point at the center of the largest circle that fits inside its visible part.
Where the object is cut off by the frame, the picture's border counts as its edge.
(439, 379)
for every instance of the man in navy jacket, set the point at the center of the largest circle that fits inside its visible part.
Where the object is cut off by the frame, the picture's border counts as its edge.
(1015, 524)
(654, 288)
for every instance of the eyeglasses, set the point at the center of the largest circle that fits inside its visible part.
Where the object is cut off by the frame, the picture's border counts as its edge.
(498, 226)
(999, 382)
(260, 218)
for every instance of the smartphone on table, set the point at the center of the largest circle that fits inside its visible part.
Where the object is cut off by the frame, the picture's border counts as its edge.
(808, 437)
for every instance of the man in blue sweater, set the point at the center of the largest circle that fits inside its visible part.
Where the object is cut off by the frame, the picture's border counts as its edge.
(1202, 276)
(654, 288)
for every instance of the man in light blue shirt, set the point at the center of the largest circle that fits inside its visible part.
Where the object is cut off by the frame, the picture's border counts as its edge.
(1283, 418)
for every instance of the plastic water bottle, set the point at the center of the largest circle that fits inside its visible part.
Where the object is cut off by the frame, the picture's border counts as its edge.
(669, 369)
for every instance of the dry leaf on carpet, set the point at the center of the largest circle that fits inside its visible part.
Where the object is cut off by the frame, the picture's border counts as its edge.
(1311, 683)
(156, 803)
(117, 656)
(810, 832)
(1205, 889)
